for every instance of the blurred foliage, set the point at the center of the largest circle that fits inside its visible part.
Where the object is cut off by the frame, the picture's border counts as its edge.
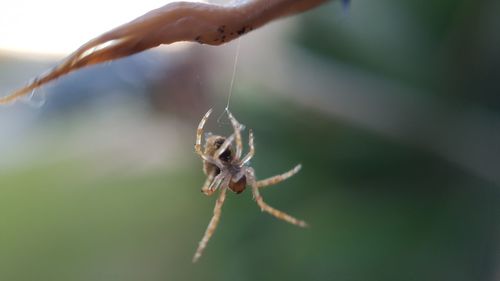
(379, 211)
(448, 48)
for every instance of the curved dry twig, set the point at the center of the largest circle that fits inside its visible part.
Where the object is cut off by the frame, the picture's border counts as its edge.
(174, 22)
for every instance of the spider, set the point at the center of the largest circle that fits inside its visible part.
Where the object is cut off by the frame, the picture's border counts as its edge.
(225, 169)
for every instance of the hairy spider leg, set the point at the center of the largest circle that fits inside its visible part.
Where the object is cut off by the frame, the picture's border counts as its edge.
(279, 178)
(275, 212)
(199, 133)
(265, 207)
(251, 153)
(197, 146)
(212, 225)
(216, 182)
(237, 127)
(208, 182)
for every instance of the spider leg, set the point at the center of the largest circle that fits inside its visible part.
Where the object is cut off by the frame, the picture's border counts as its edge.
(237, 127)
(266, 208)
(208, 182)
(279, 178)
(199, 133)
(197, 146)
(224, 146)
(251, 152)
(277, 213)
(212, 225)
(215, 183)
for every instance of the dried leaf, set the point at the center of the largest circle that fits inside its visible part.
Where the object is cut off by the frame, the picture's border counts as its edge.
(174, 22)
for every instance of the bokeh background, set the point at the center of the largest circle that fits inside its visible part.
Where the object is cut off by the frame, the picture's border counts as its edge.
(391, 106)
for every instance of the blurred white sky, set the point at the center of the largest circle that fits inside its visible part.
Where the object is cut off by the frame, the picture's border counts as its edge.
(60, 26)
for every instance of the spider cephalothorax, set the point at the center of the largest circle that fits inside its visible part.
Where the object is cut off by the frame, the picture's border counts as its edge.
(238, 179)
(225, 169)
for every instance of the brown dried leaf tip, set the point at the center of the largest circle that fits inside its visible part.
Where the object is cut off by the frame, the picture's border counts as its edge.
(174, 22)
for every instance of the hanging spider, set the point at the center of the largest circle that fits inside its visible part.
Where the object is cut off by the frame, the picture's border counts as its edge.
(224, 169)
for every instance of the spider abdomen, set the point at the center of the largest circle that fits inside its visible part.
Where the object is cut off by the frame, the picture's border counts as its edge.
(238, 186)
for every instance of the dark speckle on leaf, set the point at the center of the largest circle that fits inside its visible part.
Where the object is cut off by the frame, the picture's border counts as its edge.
(241, 31)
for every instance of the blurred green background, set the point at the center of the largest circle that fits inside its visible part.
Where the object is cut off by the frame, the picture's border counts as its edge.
(392, 107)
